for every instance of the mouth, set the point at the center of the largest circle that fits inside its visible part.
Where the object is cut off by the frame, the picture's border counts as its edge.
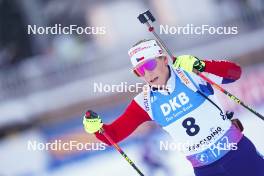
(154, 79)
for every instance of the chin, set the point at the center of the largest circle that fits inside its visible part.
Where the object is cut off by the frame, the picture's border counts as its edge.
(157, 85)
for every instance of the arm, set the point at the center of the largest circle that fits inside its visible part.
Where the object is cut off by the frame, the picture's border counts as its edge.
(226, 70)
(229, 71)
(124, 125)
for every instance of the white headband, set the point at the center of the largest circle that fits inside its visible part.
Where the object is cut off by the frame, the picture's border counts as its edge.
(143, 51)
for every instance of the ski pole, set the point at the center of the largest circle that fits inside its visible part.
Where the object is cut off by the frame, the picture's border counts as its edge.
(145, 17)
(91, 114)
(121, 152)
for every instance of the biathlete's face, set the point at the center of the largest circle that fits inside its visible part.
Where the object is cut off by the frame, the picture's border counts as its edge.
(154, 71)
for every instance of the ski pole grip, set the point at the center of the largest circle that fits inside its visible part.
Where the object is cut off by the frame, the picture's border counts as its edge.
(145, 17)
(150, 16)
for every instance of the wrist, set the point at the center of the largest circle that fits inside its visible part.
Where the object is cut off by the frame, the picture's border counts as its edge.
(199, 65)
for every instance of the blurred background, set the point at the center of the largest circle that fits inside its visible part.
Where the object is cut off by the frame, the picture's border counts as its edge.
(47, 81)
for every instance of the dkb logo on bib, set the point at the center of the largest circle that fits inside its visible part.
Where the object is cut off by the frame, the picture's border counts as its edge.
(174, 103)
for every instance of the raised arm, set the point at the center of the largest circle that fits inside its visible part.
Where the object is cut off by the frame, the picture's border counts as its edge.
(229, 71)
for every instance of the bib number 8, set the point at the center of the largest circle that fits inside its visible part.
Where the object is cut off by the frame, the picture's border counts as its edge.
(191, 128)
